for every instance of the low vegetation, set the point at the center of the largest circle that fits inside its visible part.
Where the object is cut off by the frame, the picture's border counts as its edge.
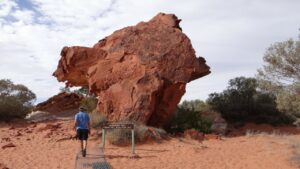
(187, 118)
(142, 134)
(97, 119)
(90, 103)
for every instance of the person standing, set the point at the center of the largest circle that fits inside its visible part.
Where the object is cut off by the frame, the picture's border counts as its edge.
(82, 127)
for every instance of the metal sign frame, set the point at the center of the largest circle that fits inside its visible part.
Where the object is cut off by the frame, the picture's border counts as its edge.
(119, 126)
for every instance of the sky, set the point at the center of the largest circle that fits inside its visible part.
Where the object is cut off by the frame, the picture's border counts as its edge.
(231, 35)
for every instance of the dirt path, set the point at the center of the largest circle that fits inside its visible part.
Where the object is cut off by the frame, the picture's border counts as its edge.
(93, 160)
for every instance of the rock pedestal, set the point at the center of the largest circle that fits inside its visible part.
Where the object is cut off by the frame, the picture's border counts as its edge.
(139, 72)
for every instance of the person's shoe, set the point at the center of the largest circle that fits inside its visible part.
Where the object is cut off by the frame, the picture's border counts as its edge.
(84, 152)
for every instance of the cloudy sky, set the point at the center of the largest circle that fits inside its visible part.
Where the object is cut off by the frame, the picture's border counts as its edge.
(231, 35)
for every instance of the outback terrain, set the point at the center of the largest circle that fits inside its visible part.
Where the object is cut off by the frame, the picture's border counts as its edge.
(50, 145)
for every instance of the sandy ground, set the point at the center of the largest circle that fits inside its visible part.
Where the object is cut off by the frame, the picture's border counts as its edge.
(38, 146)
(50, 146)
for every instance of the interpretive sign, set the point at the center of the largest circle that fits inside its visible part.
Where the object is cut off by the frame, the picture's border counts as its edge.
(109, 126)
(118, 126)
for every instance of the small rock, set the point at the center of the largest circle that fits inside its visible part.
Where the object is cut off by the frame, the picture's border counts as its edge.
(212, 137)
(34, 125)
(18, 134)
(9, 145)
(48, 135)
(28, 131)
(6, 139)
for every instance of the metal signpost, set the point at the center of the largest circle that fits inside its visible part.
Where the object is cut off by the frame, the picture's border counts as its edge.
(119, 126)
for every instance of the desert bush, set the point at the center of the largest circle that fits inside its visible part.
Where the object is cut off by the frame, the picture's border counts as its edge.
(142, 133)
(184, 119)
(89, 102)
(16, 100)
(242, 101)
(97, 119)
(119, 137)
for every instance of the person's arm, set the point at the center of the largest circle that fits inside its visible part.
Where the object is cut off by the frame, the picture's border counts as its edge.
(75, 122)
(89, 124)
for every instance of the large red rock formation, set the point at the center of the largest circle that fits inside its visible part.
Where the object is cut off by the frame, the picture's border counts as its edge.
(139, 72)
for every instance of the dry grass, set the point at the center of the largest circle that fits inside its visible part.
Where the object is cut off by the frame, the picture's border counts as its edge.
(120, 137)
(142, 134)
(293, 141)
(97, 119)
(274, 134)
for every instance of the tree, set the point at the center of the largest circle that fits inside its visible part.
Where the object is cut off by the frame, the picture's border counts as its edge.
(281, 75)
(15, 100)
(84, 91)
(242, 101)
(65, 89)
(195, 105)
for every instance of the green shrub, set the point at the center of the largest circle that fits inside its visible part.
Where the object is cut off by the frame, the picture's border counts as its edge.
(16, 101)
(184, 119)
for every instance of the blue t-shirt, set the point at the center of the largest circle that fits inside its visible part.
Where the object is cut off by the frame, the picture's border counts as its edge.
(82, 120)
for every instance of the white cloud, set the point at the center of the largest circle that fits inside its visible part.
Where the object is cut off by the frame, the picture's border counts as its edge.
(25, 16)
(6, 7)
(232, 35)
(73, 13)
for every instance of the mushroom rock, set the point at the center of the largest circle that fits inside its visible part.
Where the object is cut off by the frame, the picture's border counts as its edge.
(138, 73)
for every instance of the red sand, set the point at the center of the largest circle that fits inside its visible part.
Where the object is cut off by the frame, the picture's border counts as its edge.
(49, 146)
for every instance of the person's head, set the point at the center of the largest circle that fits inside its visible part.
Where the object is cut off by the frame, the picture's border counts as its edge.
(82, 109)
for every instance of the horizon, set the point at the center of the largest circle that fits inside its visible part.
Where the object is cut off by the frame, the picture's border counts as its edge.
(232, 36)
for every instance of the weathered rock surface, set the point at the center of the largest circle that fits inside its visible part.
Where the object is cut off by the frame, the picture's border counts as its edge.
(61, 105)
(60, 102)
(139, 72)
